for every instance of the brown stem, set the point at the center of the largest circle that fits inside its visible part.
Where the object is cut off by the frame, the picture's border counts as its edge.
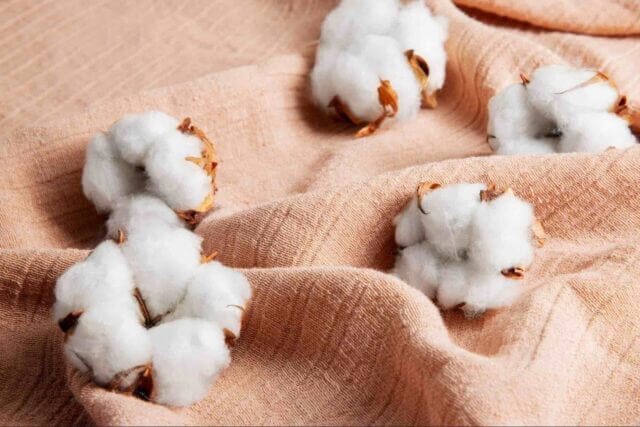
(149, 322)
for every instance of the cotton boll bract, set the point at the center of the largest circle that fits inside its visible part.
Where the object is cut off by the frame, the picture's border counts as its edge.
(162, 260)
(215, 293)
(182, 184)
(134, 134)
(188, 354)
(106, 177)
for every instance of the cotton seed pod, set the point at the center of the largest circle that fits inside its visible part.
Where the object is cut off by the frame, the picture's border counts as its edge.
(473, 247)
(379, 60)
(560, 109)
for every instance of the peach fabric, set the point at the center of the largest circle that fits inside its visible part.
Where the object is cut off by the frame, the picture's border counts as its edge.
(305, 209)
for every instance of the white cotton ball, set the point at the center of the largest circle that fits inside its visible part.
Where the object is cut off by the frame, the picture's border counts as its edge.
(108, 339)
(355, 18)
(500, 234)
(182, 184)
(490, 290)
(409, 228)
(447, 214)
(453, 284)
(556, 87)
(103, 278)
(418, 266)
(383, 57)
(215, 293)
(137, 209)
(516, 127)
(106, 177)
(134, 134)
(417, 29)
(188, 354)
(594, 132)
(163, 260)
(322, 86)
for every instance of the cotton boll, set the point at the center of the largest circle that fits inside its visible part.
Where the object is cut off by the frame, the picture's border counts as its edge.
(188, 354)
(182, 184)
(500, 234)
(215, 293)
(136, 210)
(163, 260)
(355, 18)
(108, 340)
(556, 87)
(103, 278)
(489, 290)
(134, 134)
(448, 212)
(595, 132)
(417, 29)
(516, 127)
(106, 177)
(418, 265)
(409, 229)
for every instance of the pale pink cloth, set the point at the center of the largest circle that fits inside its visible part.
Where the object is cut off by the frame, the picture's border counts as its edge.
(306, 209)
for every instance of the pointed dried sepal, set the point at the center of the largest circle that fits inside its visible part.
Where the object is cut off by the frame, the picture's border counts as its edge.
(525, 79)
(69, 322)
(492, 193)
(423, 188)
(343, 111)
(229, 338)
(206, 258)
(121, 237)
(208, 160)
(149, 322)
(388, 99)
(599, 77)
(127, 380)
(194, 216)
(514, 273)
(144, 384)
(429, 100)
(629, 114)
(539, 235)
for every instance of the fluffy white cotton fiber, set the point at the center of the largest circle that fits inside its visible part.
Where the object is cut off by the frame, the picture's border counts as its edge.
(146, 313)
(561, 109)
(187, 356)
(378, 59)
(149, 150)
(466, 245)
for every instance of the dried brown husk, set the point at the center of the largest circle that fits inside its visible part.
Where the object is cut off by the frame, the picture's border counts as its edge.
(388, 99)
(423, 188)
(628, 113)
(420, 69)
(492, 193)
(69, 322)
(514, 273)
(207, 258)
(208, 161)
(149, 321)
